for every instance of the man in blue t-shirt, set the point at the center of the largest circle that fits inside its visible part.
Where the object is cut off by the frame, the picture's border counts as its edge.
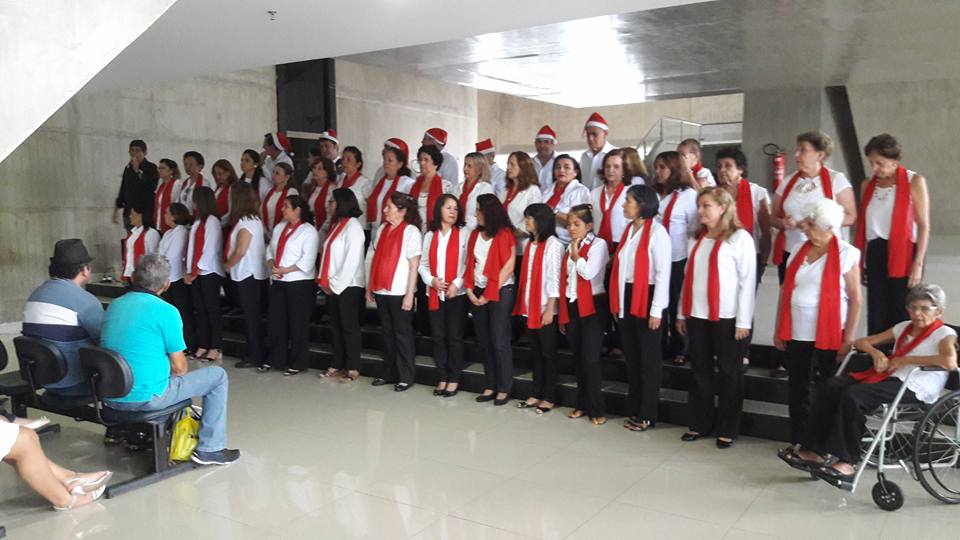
(148, 333)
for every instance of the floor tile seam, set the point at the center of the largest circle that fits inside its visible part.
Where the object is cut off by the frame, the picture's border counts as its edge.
(475, 522)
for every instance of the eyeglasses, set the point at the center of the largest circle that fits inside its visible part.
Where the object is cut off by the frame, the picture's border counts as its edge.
(911, 308)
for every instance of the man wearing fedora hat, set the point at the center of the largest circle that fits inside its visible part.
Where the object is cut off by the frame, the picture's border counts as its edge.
(63, 313)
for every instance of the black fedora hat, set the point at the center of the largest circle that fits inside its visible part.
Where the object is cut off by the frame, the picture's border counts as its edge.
(70, 251)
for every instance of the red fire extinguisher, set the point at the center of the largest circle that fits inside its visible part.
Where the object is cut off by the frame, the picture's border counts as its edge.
(779, 163)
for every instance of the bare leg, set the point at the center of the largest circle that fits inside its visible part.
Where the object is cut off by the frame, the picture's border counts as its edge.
(36, 470)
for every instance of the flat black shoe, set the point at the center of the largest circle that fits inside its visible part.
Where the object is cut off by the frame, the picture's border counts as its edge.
(438, 392)
(450, 393)
(379, 381)
(243, 365)
(401, 387)
(690, 437)
(723, 445)
(483, 398)
(832, 476)
(499, 402)
(791, 458)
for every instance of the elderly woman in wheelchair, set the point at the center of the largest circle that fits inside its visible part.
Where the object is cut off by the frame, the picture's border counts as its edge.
(914, 371)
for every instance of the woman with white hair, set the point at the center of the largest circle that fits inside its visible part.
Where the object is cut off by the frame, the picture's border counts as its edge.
(836, 422)
(819, 306)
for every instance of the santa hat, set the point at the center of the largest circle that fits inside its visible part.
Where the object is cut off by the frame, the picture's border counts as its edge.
(396, 142)
(329, 135)
(596, 120)
(438, 135)
(547, 133)
(280, 140)
(486, 147)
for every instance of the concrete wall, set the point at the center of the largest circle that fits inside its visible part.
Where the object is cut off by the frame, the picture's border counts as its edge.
(62, 181)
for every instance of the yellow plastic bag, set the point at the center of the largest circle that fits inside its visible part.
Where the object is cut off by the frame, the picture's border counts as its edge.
(186, 432)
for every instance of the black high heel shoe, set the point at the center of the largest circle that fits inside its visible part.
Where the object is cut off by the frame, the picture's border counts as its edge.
(483, 398)
(450, 393)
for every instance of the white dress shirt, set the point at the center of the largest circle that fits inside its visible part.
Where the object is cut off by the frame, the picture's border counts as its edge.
(658, 253)
(470, 211)
(450, 169)
(591, 268)
(252, 263)
(314, 195)
(404, 185)
(683, 220)
(705, 177)
(925, 384)
(151, 242)
(300, 250)
(805, 301)
(545, 171)
(427, 274)
(173, 246)
(498, 179)
(211, 255)
(269, 163)
(576, 193)
(737, 269)
(481, 250)
(185, 187)
(806, 191)
(618, 222)
(591, 163)
(272, 198)
(516, 208)
(880, 212)
(412, 247)
(426, 214)
(261, 189)
(550, 275)
(346, 258)
(361, 188)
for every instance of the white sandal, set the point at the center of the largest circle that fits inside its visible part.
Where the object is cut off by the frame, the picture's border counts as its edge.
(78, 492)
(88, 485)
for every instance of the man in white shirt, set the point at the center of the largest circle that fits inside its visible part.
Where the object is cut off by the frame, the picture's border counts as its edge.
(276, 149)
(689, 150)
(596, 130)
(330, 147)
(545, 142)
(498, 176)
(450, 169)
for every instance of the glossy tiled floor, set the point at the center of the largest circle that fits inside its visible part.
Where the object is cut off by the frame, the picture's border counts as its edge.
(325, 460)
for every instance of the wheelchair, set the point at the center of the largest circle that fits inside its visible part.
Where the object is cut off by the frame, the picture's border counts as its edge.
(919, 438)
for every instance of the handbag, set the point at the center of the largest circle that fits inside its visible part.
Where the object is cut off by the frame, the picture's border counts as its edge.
(186, 433)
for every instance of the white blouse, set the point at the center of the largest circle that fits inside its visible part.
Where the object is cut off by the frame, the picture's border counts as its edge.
(576, 193)
(805, 301)
(271, 197)
(590, 268)
(300, 250)
(759, 196)
(150, 243)
(412, 247)
(925, 384)
(658, 272)
(361, 188)
(880, 212)
(618, 222)
(705, 177)
(185, 188)
(211, 254)
(481, 249)
(470, 211)
(550, 275)
(269, 163)
(805, 191)
(427, 274)
(173, 246)
(314, 195)
(346, 258)
(404, 185)
(262, 189)
(683, 220)
(426, 214)
(737, 267)
(252, 263)
(515, 210)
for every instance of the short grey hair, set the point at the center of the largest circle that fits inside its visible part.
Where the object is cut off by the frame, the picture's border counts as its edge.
(825, 213)
(931, 292)
(152, 272)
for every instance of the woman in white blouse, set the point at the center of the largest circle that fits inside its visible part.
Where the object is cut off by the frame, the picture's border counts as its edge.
(396, 178)
(352, 178)
(271, 206)
(819, 306)
(442, 263)
(292, 260)
(520, 192)
(205, 274)
(476, 182)
(639, 293)
(244, 258)
(583, 309)
(252, 173)
(836, 423)
(678, 215)
(141, 239)
(173, 246)
(716, 312)
(537, 299)
(341, 278)
(429, 185)
(323, 180)
(392, 263)
(566, 192)
(608, 200)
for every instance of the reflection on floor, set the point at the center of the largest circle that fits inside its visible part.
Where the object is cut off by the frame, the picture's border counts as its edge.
(329, 460)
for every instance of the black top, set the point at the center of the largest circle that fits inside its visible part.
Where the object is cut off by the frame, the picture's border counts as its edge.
(137, 189)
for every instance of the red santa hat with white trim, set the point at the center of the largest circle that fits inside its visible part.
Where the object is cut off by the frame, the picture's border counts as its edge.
(547, 133)
(486, 147)
(396, 142)
(329, 135)
(280, 140)
(596, 120)
(438, 135)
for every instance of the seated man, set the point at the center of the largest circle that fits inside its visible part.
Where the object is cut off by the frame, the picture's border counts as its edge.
(63, 313)
(836, 422)
(148, 333)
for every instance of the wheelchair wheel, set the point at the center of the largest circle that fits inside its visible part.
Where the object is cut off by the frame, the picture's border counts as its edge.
(936, 455)
(887, 495)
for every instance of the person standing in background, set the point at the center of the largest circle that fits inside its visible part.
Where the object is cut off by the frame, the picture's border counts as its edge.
(545, 142)
(595, 130)
(498, 176)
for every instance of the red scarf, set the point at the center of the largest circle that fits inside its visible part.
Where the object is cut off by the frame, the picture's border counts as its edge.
(745, 205)
(386, 257)
(451, 262)
(324, 279)
(372, 213)
(278, 208)
(780, 244)
(320, 205)
(502, 249)
(669, 210)
(284, 236)
(138, 248)
(606, 210)
(533, 310)
(713, 280)
(199, 236)
(584, 289)
(436, 190)
(161, 203)
(349, 181)
(223, 200)
(511, 195)
(900, 249)
(829, 325)
(697, 167)
(871, 375)
(465, 196)
(641, 274)
(558, 190)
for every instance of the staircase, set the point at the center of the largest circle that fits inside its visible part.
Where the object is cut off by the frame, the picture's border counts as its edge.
(764, 415)
(666, 133)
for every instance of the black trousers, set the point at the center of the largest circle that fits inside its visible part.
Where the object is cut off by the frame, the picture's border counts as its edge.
(398, 339)
(344, 310)
(206, 305)
(805, 364)
(837, 418)
(249, 294)
(585, 337)
(611, 330)
(491, 322)
(673, 343)
(291, 305)
(421, 316)
(179, 295)
(643, 354)
(713, 343)
(446, 325)
(886, 296)
(543, 360)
